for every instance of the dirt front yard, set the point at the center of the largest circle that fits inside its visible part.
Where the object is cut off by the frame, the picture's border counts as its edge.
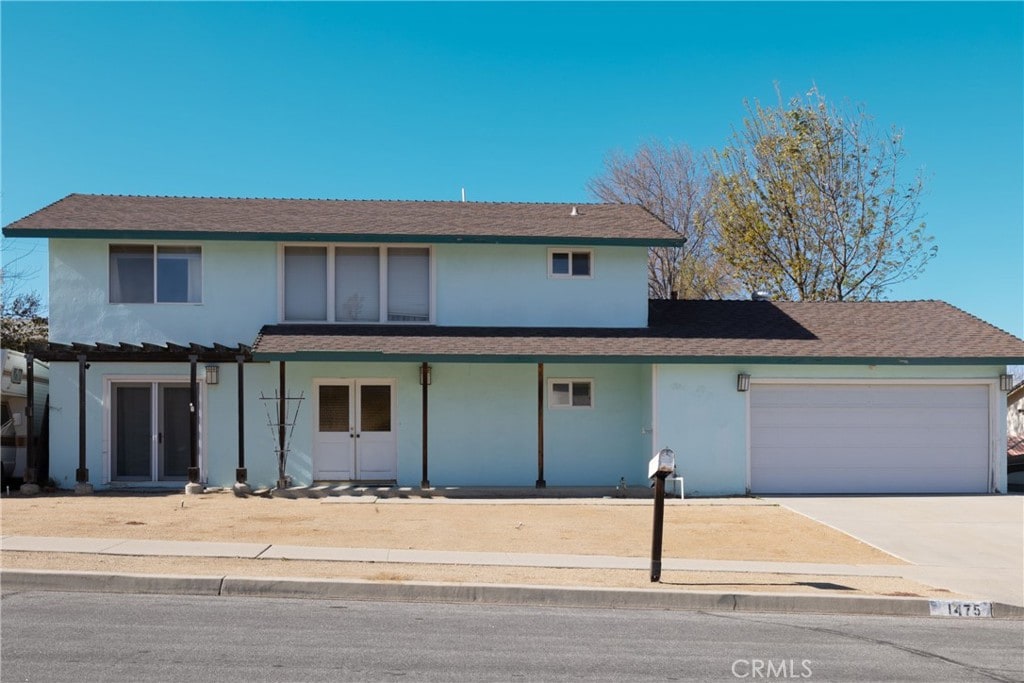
(697, 530)
(587, 527)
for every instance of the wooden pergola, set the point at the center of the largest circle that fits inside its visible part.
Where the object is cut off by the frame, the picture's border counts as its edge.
(193, 354)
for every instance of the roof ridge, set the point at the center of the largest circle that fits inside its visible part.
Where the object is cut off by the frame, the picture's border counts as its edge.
(340, 199)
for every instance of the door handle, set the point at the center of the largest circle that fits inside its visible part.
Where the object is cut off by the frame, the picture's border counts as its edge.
(159, 437)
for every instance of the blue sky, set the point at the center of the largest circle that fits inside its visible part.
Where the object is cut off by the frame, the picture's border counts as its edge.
(514, 102)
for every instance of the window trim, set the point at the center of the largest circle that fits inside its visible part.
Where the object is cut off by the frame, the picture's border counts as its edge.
(570, 381)
(570, 251)
(382, 274)
(155, 252)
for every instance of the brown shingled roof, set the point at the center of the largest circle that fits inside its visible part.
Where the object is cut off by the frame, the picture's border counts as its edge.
(920, 332)
(322, 219)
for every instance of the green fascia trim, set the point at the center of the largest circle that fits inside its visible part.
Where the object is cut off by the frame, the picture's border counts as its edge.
(378, 357)
(307, 237)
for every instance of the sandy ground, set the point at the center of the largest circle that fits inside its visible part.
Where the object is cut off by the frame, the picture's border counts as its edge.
(586, 527)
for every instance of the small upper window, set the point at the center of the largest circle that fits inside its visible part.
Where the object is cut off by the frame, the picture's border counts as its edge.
(570, 263)
(571, 393)
(144, 274)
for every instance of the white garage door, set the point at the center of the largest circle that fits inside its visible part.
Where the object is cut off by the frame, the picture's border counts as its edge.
(869, 438)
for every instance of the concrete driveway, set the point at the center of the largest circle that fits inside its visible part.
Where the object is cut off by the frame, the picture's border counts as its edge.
(970, 544)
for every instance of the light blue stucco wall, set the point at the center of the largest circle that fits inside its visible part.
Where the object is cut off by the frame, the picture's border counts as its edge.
(483, 422)
(701, 416)
(239, 296)
(509, 285)
(503, 285)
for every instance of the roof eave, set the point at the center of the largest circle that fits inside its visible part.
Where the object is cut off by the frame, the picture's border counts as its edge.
(434, 357)
(76, 233)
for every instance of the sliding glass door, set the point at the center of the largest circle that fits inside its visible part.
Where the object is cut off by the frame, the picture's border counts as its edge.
(150, 436)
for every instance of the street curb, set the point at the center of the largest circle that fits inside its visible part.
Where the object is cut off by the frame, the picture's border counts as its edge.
(520, 595)
(101, 582)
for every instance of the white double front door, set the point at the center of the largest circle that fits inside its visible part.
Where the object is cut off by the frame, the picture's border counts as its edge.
(355, 437)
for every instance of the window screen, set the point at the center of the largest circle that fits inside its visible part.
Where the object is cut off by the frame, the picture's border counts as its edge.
(334, 408)
(357, 284)
(179, 275)
(581, 264)
(409, 284)
(375, 408)
(305, 283)
(131, 274)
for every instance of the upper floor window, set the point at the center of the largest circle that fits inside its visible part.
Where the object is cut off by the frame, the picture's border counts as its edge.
(356, 284)
(144, 274)
(570, 263)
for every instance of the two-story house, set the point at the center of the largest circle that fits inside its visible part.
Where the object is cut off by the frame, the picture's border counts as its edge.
(502, 344)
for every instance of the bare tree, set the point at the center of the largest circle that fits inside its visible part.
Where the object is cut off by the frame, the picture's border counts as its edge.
(21, 318)
(810, 204)
(673, 185)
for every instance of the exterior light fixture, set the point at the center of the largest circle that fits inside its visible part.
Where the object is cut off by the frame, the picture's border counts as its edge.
(1005, 382)
(212, 374)
(743, 382)
(426, 375)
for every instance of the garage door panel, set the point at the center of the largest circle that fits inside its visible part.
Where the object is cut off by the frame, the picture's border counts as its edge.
(941, 438)
(884, 438)
(798, 416)
(867, 480)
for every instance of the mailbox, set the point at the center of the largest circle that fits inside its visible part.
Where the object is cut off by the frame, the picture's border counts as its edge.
(663, 463)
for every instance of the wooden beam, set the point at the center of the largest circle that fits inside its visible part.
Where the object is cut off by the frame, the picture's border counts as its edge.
(241, 475)
(540, 427)
(82, 473)
(193, 421)
(425, 373)
(31, 466)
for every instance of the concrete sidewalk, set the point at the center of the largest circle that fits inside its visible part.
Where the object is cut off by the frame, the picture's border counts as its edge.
(459, 592)
(257, 551)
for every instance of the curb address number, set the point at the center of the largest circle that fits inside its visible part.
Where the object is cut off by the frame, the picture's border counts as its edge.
(954, 608)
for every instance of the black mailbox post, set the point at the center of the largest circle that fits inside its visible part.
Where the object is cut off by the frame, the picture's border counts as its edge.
(662, 464)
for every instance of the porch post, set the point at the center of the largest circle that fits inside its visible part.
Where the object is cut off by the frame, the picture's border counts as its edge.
(30, 485)
(425, 382)
(31, 466)
(540, 427)
(82, 485)
(193, 485)
(241, 474)
(282, 417)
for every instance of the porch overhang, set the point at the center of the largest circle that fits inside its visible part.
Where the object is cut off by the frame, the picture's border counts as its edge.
(660, 344)
(140, 353)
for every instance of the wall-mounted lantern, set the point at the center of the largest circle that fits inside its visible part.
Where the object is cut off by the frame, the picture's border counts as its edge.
(1005, 382)
(743, 382)
(426, 375)
(212, 374)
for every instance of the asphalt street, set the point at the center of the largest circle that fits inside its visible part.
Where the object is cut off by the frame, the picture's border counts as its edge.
(50, 636)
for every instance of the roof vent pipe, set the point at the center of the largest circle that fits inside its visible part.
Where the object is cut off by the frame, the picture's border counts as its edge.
(574, 212)
(463, 194)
